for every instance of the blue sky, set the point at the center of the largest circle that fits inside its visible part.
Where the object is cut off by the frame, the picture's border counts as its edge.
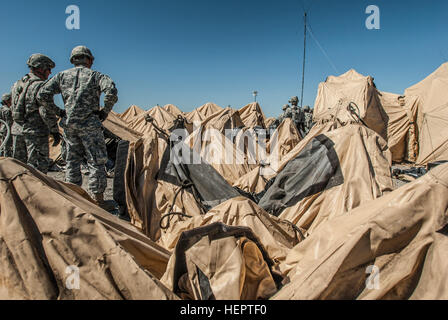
(189, 52)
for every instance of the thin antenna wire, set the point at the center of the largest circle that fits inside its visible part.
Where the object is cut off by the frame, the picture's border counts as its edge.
(304, 59)
(321, 48)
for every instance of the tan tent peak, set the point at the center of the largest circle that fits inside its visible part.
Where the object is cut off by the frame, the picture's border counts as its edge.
(163, 119)
(174, 110)
(422, 88)
(131, 113)
(209, 108)
(351, 75)
(252, 115)
(204, 112)
(336, 94)
(432, 117)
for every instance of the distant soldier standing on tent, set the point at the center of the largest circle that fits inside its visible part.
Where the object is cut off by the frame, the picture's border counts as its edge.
(308, 118)
(297, 115)
(286, 114)
(34, 122)
(6, 115)
(81, 89)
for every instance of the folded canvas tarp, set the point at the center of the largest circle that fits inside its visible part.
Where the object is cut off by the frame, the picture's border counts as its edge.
(220, 262)
(162, 189)
(252, 115)
(432, 119)
(401, 128)
(391, 248)
(334, 172)
(276, 235)
(336, 93)
(256, 179)
(118, 127)
(52, 232)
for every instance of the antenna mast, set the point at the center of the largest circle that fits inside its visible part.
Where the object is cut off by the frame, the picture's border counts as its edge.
(304, 56)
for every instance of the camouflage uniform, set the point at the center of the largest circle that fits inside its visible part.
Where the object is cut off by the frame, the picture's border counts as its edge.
(81, 88)
(18, 140)
(32, 144)
(308, 119)
(287, 113)
(6, 115)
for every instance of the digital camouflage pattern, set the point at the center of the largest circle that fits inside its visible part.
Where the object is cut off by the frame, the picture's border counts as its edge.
(32, 123)
(37, 151)
(81, 89)
(19, 148)
(86, 143)
(6, 115)
(308, 120)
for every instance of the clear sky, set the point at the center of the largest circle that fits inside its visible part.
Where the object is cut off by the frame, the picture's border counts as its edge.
(189, 52)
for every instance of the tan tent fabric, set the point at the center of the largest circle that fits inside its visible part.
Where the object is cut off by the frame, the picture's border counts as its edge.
(163, 119)
(221, 153)
(252, 115)
(148, 199)
(132, 113)
(54, 152)
(120, 128)
(432, 115)
(402, 113)
(277, 236)
(335, 94)
(230, 266)
(174, 110)
(203, 112)
(403, 234)
(365, 163)
(221, 120)
(47, 226)
(286, 137)
(255, 180)
(269, 121)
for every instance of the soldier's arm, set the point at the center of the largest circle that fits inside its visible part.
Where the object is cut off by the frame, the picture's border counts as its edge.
(50, 119)
(7, 116)
(45, 96)
(107, 86)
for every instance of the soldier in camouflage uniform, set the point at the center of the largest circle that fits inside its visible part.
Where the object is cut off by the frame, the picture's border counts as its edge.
(298, 116)
(81, 88)
(308, 118)
(34, 122)
(5, 115)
